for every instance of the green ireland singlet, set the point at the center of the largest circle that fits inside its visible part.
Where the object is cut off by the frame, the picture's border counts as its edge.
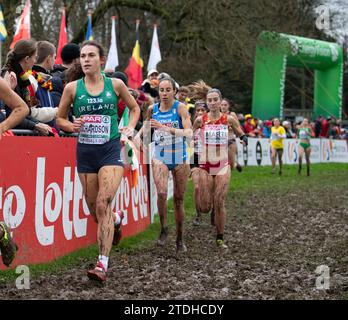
(99, 113)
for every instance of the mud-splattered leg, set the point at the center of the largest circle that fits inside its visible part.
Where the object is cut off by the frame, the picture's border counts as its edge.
(90, 185)
(181, 174)
(221, 183)
(160, 176)
(109, 178)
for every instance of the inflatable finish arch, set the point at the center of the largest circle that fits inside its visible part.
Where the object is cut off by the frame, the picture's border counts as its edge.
(277, 51)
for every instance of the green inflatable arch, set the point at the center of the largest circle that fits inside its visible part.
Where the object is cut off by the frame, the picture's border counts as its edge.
(277, 51)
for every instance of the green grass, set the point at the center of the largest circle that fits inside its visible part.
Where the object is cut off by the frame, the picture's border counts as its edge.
(242, 186)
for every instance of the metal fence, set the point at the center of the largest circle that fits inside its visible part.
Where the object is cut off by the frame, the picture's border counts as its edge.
(30, 133)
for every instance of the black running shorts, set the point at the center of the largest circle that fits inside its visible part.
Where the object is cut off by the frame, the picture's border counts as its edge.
(92, 157)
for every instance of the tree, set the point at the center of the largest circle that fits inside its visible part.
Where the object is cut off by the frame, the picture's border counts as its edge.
(210, 40)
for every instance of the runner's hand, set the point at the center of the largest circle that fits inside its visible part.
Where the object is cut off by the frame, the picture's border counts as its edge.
(127, 132)
(159, 126)
(78, 123)
(244, 139)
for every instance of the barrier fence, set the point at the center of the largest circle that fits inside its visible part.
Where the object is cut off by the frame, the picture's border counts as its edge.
(323, 151)
(41, 198)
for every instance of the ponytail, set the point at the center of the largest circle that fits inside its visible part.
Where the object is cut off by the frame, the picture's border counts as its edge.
(75, 72)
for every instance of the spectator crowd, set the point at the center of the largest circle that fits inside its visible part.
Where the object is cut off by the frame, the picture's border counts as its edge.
(32, 74)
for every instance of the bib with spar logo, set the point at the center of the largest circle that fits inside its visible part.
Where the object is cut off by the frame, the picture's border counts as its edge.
(170, 119)
(163, 138)
(215, 133)
(304, 133)
(96, 129)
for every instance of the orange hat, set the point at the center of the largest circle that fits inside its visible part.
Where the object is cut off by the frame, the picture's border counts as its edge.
(248, 116)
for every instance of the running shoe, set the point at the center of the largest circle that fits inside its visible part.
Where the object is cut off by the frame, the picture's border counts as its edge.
(118, 231)
(239, 167)
(220, 243)
(180, 246)
(98, 273)
(197, 220)
(8, 247)
(161, 241)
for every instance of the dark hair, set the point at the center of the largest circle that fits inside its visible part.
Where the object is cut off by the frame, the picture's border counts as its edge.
(228, 101)
(201, 104)
(184, 89)
(214, 90)
(75, 72)
(120, 75)
(171, 80)
(95, 44)
(22, 49)
(44, 49)
(70, 52)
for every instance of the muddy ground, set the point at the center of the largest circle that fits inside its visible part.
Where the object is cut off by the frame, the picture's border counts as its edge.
(276, 242)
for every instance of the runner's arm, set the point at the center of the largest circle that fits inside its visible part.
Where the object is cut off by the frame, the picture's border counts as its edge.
(186, 123)
(235, 126)
(197, 124)
(283, 134)
(64, 107)
(234, 116)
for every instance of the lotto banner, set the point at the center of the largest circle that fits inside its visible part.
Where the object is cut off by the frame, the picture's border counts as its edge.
(41, 198)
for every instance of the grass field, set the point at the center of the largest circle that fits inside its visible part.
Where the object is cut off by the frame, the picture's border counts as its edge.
(255, 194)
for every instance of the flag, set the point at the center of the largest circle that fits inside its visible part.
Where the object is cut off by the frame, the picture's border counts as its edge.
(130, 151)
(23, 26)
(89, 33)
(3, 32)
(63, 38)
(124, 120)
(155, 53)
(112, 61)
(134, 69)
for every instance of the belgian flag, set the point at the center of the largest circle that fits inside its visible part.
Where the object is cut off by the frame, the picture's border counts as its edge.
(134, 69)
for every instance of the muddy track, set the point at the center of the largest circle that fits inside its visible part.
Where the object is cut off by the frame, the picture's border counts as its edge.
(276, 242)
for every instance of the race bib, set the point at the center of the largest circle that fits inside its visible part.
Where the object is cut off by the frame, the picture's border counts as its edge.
(275, 137)
(163, 138)
(216, 134)
(198, 142)
(96, 129)
(304, 134)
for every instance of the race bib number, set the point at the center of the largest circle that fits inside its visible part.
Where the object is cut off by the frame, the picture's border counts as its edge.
(163, 138)
(198, 145)
(96, 129)
(304, 134)
(275, 137)
(216, 134)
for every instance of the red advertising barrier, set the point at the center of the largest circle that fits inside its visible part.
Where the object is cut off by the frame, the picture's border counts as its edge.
(41, 199)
